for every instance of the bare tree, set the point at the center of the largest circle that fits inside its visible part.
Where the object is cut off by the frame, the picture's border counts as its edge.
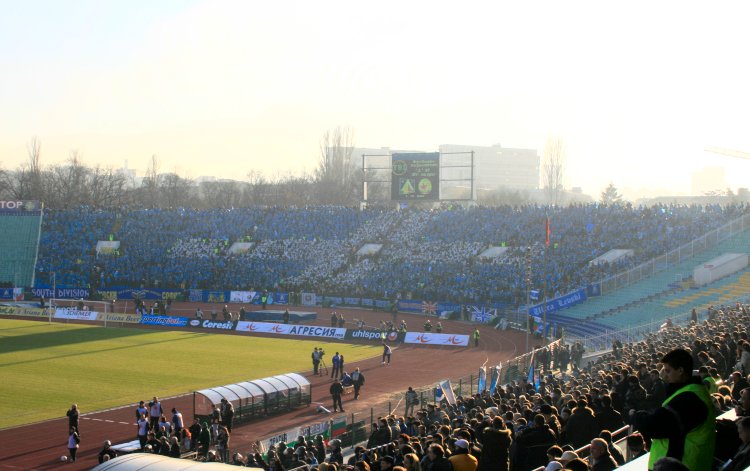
(553, 169)
(336, 177)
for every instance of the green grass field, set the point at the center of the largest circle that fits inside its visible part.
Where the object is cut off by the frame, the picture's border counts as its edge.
(44, 368)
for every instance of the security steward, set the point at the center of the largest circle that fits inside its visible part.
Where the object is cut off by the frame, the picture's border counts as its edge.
(684, 426)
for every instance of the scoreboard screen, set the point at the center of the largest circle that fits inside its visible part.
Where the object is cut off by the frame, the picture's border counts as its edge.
(415, 176)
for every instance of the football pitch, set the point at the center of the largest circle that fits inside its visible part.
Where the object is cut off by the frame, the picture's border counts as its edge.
(44, 368)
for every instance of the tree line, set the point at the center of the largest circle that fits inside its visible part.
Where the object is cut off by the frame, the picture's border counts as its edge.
(336, 180)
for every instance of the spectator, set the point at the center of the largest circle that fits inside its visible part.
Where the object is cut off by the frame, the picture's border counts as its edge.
(684, 427)
(107, 452)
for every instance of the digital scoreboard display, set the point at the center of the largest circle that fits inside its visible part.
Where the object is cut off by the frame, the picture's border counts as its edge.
(415, 176)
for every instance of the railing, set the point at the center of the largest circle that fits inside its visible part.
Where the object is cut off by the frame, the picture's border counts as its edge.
(603, 342)
(675, 256)
(359, 424)
(619, 437)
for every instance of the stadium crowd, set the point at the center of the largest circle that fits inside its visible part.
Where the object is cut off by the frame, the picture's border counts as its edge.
(563, 418)
(426, 254)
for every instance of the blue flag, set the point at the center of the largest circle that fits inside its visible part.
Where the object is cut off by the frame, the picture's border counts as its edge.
(534, 294)
(482, 382)
(530, 377)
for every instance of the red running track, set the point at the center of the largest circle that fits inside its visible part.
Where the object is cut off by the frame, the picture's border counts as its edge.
(39, 446)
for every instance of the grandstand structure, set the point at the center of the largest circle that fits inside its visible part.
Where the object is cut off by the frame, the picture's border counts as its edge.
(20, 228)
(429, 254)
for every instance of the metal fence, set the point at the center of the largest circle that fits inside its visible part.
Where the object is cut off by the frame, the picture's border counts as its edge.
(359, 424)
(675, 256)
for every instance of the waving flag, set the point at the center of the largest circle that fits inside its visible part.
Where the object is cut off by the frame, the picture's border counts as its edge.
(482, 382)
(533, 376)
(445, 385)
(482, 314)
(534, 294)
(494, 378)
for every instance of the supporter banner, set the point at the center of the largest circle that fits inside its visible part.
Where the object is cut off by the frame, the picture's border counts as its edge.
(333, 300)
(287, 329)
(23, 311)
(278, 298)
(195, 295)
(12, 294)
(167, 321)
(209, 324)
(20, 205)
(70, 313)
(382, 304)
(290, 436)
(371, 334)
(449, 307)
(351, 301)
(116, 317)
(61, 293)
(146, 294)
(422, 307)
(242, 296)
(368, 302)
(482, 314)
(563, 302)
(308, 299)
(429, 338)
(216, 297)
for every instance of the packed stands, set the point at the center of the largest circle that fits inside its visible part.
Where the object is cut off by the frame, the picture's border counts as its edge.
(426, 254)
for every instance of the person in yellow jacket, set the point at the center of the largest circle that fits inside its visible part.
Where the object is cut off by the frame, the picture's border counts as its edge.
(684, 426)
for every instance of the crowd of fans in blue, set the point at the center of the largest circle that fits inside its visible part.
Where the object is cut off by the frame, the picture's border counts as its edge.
(426, 254)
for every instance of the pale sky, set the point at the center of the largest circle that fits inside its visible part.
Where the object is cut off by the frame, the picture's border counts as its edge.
(637, 89)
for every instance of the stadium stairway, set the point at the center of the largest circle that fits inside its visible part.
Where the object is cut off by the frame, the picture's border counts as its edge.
(665, 293)
(720, 292)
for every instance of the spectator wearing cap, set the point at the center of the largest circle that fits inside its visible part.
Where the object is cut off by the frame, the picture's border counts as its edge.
(600, 459)
(684, 427)
(496, 442)
(461, 459)
(336, 453)
(567, 457)
(107, 452)
(553, 466)
(386, 463)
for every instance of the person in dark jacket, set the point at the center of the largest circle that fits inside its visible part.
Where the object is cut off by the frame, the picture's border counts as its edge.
(107, 451)
(600, 459)
(336, 391)
(532, 444)
(607, 417)
(582, 426)
(436, 460)
(496, 441)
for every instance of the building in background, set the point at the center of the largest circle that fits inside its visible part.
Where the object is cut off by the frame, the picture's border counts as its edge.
(497, 167)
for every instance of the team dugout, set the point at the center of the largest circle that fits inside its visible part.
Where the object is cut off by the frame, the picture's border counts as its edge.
(256, 398)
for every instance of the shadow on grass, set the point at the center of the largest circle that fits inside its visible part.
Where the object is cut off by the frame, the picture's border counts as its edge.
(53, 339)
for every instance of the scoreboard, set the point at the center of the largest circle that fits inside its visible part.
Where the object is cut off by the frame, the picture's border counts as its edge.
(415, 176)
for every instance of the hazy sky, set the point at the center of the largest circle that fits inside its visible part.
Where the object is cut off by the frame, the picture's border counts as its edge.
(637, 89)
